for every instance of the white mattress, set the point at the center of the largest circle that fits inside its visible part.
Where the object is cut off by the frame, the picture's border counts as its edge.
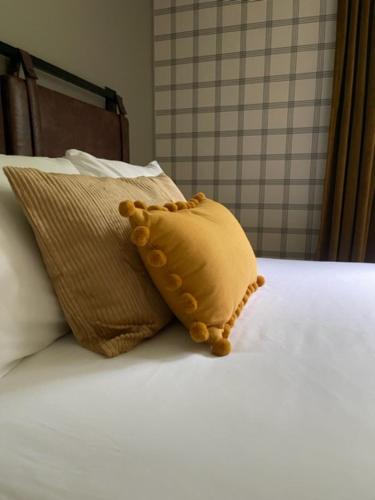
(289, 415)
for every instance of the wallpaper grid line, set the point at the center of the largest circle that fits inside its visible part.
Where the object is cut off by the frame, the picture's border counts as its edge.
(242, 104)
(238, 27)
(245, 81)
(243, 53)
(219, 56)
(259, 226)
(173, 94)
(289, 137)
(310, 242)
(202, 4)
(270, 105)
(240, 113)
(195, 101)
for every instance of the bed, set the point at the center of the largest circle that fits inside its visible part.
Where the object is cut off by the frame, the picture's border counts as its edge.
(289, 415)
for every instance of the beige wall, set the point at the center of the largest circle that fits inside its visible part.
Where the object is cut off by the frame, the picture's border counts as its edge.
(108, 42)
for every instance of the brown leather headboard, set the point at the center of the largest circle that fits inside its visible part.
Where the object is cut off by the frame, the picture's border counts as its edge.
(2, 131)
(37, 121)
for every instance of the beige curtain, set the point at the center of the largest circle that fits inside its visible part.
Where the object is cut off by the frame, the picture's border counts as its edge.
(347, 228)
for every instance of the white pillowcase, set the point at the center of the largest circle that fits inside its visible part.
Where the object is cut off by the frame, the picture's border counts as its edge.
(30, 316)
(88, 164)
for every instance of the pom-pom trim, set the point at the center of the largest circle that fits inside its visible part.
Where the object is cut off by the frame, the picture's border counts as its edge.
(156, 258)
(173, 282)
(140, 204)
(249, 291)
(126, 208)
(199, 331)
(221, 347)
(140, 236)
(189, 303)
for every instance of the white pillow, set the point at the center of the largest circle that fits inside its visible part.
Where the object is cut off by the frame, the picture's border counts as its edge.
(30, 316)
(88, 164)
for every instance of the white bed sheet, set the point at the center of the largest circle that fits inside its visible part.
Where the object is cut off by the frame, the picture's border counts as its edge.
(289, 415)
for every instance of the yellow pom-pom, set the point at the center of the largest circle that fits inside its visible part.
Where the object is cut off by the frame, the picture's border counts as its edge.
(181, 205)
(174, 282)
(215, 334)
(172, 207)
(126, 208)
(221, 347)
(226, 331)
(199, 197)
(189, 303)
(140, 236)
(137, 218)
(154, 207)
(140, 204)
(231, 321)
(156, 258)
(260, 280)
(199, 332)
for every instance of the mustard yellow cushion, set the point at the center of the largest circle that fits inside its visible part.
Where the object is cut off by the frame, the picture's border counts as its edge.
(201, 261)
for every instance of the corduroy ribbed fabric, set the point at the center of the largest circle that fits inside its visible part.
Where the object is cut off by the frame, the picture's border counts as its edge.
(107, 297)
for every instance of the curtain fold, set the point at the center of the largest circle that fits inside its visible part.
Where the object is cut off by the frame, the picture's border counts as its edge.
(347, 208)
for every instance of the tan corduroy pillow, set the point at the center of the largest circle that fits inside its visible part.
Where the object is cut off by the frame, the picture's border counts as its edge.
(107, 297)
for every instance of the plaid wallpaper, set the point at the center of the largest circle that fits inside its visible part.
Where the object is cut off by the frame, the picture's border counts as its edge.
(242, 101)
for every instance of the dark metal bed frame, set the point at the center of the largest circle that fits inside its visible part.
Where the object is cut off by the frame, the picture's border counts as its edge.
(13, 55)
(37, 121)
